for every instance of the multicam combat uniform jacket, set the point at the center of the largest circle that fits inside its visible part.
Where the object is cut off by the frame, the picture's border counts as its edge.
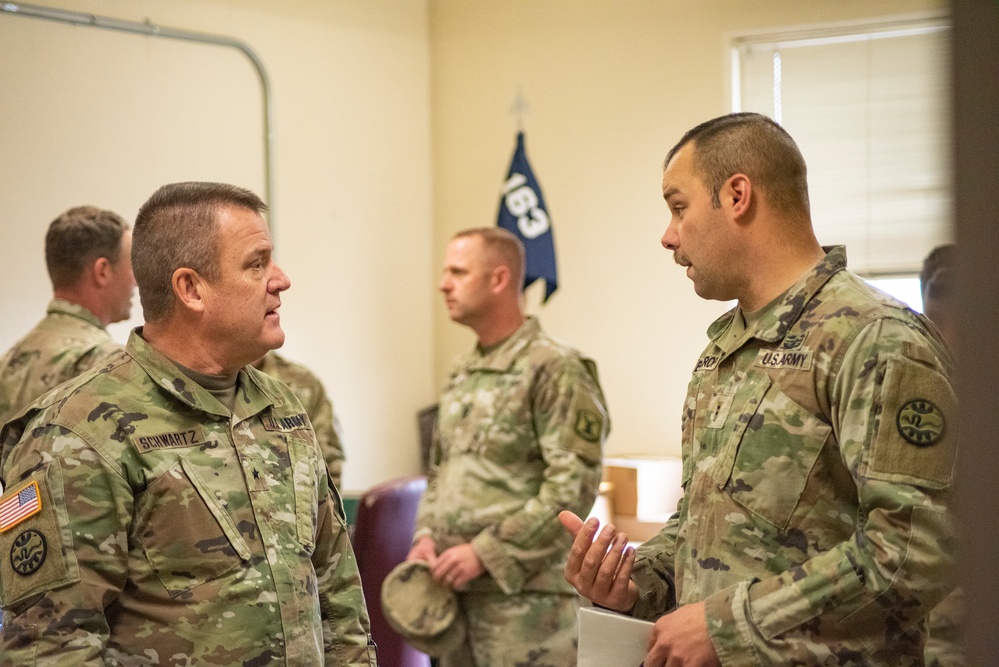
(309, 390)
(171, 531)
(518, 439)
(69, 340)
(818, 451)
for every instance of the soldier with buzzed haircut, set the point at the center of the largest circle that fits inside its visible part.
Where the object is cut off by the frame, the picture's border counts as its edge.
(818, 439)
(88, 257)
(172, 506)
(520, 427)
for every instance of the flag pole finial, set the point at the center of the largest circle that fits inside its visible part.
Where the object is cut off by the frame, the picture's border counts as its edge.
(519, 108)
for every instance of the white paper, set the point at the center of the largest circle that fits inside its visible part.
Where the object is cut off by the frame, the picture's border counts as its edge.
(607, 639)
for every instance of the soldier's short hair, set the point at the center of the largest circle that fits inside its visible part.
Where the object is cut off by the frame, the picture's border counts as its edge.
(178, 228)
(754, 145)
(77, 239)
(505, 245)
(937, 275)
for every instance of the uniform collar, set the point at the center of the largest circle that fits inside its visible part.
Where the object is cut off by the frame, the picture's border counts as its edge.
(251, 396)
(501, 356)
(63, 307)
(773, 324)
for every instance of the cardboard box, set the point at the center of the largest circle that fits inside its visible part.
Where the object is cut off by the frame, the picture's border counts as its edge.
(644, 488)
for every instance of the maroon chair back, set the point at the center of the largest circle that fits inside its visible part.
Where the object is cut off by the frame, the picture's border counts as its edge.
(383, 531)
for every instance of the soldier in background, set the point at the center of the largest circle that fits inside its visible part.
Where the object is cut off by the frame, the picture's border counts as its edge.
(519, 434)
(945, 645)
(309, 390)
(173, 505)
(88, 256)
(818, 439)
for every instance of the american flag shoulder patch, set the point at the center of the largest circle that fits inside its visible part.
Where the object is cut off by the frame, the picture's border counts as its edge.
(19, 505)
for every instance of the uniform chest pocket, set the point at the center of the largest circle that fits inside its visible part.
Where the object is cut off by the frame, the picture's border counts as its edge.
(305, 466)
(777, 450)
(185, 532)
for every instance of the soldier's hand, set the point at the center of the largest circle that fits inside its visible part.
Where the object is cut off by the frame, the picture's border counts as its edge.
(599, 565)
(681, 638)
(457, 566)
(425, 550)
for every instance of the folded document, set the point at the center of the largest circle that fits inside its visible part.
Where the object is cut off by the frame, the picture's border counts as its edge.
(608, 639)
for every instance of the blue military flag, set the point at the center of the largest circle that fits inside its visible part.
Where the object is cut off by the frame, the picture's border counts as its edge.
(522, 211)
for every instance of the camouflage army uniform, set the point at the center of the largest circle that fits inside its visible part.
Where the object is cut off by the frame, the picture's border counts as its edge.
(69, 340)
(818, 451)
(945, 644)
(518, 438)
(310, 392)
(172, 531)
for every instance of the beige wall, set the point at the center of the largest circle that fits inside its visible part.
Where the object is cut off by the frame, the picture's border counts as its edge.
(350, 81)
(392, 131)
(611, 86)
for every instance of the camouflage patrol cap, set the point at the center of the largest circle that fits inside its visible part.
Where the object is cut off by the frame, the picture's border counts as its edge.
(422, 610)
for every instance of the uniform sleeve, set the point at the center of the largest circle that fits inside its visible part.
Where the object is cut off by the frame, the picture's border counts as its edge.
(894, 418)
(654, 572)
(63, 565)
(327, 434)
(346, 628)
(427, 507)
(571, 423)
(94, 357)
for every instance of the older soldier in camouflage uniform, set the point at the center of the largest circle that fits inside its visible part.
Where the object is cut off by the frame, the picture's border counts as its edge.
(88, 256)
(818, 439)
(519, 434)
(310, 391)
(172, 507)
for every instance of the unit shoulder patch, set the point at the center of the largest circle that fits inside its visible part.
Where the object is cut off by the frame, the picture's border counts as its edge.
(920, 422)
(28, 551)
(589, 425)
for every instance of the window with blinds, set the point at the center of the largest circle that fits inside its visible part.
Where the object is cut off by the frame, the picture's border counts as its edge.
(869, 107)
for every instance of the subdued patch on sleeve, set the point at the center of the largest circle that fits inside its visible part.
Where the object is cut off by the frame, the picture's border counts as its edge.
(916, 440)
(32, 558)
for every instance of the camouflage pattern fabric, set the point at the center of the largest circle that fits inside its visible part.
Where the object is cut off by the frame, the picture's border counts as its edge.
(168, 530)
(69, 340)
(945, 645)
(309, 390)
(818, 452)
(519, 434)
(525, 630)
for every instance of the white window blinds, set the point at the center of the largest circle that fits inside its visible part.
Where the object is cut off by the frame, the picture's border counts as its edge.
(869, 108)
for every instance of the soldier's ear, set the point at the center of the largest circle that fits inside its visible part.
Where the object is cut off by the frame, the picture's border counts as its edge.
(188, 287)
(102, 271)
(500, 278)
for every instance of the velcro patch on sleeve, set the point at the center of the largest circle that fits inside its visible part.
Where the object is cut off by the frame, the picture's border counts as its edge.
(916, 441)
(32, 558)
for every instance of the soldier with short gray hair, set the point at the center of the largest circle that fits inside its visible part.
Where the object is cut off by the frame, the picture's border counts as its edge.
(173, 506)
(818, 439)
(521, 423)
